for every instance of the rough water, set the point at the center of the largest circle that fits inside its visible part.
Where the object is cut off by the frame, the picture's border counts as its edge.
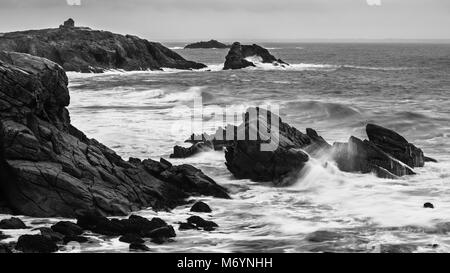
(334, 88)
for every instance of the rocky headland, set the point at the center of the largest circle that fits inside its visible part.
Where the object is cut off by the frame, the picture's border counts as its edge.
(82, 49)
(242, 56)
(207, 44)
(49, 168)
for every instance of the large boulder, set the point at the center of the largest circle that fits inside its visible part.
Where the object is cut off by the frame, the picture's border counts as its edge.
(36, 244)
(82, 49)
(395, 145)
(386, 153)
(208, 44)
(248, 159)
(49, 168)
(238, 55)
(12, 223)
(365, 157)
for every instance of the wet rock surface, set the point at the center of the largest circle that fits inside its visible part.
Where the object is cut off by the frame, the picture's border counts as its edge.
(199, 222)
(67, 228)
(132, 239)
(49, 168)
(85, 50)
(12, 223)
(238, 54)
(36, 244)
(201, 207)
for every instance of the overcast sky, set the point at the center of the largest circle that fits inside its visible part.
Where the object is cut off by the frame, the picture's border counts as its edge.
(189, 20)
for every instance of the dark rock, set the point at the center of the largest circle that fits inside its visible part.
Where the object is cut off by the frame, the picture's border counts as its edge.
(395, 145)
(236, 58)
(52, 235)
(67, 228)
(135, 225)
(202, 223)
(429, 159)
(51, 169)
(428, 206)
(285, 148)
(4, 209)
(132, 239)
(386, 153)
(284, 154)
(187, 226)
(5, 249)
(140, 247)
(323, 236)
(135, 161)
(36, 244)
(12, 223)
(282, 165)
(182, 152)
(201, 207)
(85, 50)
(75, 238)
(140, 225)
(400, 248)
(191, 180)
(100, 225)
(208, 44)
(162, 232)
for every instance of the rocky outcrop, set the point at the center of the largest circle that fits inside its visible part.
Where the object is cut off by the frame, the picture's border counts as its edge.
(85, 50)
(36, 244)
(365, 157)
(386, 153)
(50, 168)
(208, 44)
(247, 159)
(395, 145)
(238, 55)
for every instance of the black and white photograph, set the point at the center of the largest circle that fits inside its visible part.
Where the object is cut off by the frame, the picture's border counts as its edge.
(223, 127)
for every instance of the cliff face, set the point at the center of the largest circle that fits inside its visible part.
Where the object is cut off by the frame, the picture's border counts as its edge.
(85, 50)
(49, 168)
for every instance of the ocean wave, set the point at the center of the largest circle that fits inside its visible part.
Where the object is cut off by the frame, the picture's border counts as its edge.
(323, 110)
(382, 202)
(128, 98)
(113, 72)
(176, 47)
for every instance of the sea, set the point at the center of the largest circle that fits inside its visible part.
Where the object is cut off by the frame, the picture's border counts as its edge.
(335, 88)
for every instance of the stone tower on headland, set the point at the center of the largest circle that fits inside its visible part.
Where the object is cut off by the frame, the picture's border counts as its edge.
(70, 23)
